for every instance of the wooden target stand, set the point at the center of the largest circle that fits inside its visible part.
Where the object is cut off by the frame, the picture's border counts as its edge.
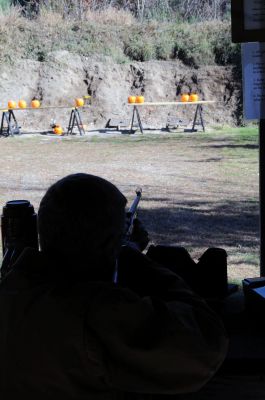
(197, 119)
(9, 125)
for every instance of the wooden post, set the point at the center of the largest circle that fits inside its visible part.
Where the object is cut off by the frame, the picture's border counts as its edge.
(262, 194)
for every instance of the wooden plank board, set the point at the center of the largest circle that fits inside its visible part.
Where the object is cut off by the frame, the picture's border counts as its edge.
(42, 108)
(172, 103)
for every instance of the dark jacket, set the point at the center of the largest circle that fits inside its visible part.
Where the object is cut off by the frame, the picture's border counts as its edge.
(73, 337)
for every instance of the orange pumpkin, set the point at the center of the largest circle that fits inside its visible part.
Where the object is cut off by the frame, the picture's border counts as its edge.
(58, 130)
(79, 102)
(194, 97)
(185, 97)
(12, 104)
(22, 104)
(131, 99)
(35, 103)
(139, 99)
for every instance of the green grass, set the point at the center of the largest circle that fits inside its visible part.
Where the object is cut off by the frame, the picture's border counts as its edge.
(236, 135)
(251, 258)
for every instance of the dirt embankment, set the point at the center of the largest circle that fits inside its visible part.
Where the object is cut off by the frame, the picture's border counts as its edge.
(64, 76)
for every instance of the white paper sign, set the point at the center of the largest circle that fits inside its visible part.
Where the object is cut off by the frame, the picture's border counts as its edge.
(254, 14)
(253, 60)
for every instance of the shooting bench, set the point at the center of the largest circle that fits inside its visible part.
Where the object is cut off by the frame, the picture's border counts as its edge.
(9, 125)
(172, 121)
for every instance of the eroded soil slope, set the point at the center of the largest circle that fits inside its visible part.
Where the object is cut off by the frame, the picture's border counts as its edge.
(64, 76)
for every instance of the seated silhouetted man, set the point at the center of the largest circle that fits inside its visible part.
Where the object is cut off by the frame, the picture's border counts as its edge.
(67, 331)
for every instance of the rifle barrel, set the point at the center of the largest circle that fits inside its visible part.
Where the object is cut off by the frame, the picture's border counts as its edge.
(132, 211)
(135, 203)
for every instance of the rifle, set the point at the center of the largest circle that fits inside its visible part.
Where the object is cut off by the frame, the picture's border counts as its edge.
(131, 214)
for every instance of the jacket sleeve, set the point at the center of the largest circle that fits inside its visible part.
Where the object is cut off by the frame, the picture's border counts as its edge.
(167, 341)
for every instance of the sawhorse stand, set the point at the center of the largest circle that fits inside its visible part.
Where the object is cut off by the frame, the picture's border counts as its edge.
(198, 114)
(197, 120)
(136, 113)
(75, 121)
(9, 125)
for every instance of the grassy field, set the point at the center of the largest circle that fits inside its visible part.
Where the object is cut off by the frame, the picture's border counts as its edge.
(199, 190)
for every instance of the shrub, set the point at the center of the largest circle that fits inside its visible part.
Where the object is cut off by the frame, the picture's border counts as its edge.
(110, 16)
(138, 45)
(192, 46)
(205, 43)
(116, 34)
(4, 4)
(12, 42)
(224, 50)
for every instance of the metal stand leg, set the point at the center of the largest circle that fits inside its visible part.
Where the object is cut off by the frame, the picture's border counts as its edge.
(75, 120)
(202, 121)
(14, 129)
(11, 127)
(136, 111)
(70, 125)
(198, 111)
(79, 122)
(139, 120)
(3, 131)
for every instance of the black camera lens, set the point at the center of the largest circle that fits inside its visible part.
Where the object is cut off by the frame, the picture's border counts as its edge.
(19, 225)
(19, 230)
(17, 206)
